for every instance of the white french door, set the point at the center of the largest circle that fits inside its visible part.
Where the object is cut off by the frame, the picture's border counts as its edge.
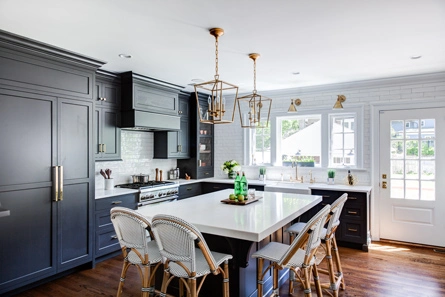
(412, 175)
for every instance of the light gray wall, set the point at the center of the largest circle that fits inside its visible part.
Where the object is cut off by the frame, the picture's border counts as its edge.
(427, 87)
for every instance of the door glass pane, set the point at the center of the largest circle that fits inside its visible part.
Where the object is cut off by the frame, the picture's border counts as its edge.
(428, 191)
(412, 129)
(428, 128)
(397, 169)
(428, 149)
(412, 189)
(428, 169)
(412, 149)
(397, 149)
(397, 189)
(397, 129)
(412, 169)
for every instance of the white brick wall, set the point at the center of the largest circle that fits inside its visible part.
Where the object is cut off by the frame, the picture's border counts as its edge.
(229, 138)
(137, 157)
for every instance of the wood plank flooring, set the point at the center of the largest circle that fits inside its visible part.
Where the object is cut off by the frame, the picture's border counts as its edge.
(388, 269)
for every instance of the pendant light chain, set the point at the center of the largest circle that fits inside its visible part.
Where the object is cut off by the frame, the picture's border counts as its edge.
(254, 76)
(216, 58)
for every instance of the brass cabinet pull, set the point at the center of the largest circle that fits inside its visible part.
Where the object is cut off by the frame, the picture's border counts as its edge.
(189, 189)
(104, 98)
(352, 198)
(55, 183)
(116, 202)
(324, 204)
(326, 196)
(113, 236)
(206, 173)
(352, 212)
(60, 183)
(104, 148)
(352, 230)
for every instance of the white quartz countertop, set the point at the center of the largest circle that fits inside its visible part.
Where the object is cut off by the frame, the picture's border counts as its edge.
(101, 193)
(251, 222)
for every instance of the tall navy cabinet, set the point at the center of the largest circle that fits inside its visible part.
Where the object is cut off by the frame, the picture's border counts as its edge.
(46, 120)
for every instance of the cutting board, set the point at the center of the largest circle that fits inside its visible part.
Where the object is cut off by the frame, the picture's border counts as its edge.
(245, 202)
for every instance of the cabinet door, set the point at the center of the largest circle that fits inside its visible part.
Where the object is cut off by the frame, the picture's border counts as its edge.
(74, 212)
(108, 94)
(184, 138)
(107, 134)
(27, 150)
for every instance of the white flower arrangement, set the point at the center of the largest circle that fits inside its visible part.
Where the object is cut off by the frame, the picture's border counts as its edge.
(230, 166)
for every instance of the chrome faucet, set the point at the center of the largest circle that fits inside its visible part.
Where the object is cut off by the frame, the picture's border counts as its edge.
(296, 172)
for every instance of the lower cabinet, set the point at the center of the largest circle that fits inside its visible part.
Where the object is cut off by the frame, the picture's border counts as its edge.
(353, 229)
(105, 238)
(190, 190)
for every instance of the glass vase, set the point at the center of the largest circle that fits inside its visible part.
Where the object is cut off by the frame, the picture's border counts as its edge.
(232, 175)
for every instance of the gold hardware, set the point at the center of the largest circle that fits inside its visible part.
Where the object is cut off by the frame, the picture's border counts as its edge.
(293, 103)
(352, 230)
(216, 101)
(104, 148)
(55, 183)
(179, 148)
(189, 189)
(253, 104)
(100, 147)
(338, 103)
(326, 196)
(352, 198)
(105, 99)
(114, 236)
(61, 183)
(352, 212)
(116, 202)
(384, 176)
(384, 185)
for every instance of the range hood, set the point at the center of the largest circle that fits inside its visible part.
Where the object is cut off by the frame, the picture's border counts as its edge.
(149, 121)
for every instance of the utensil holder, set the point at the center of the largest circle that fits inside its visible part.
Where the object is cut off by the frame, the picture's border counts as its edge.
(109, 184)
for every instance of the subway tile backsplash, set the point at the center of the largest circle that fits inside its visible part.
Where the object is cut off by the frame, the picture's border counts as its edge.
(137, 157)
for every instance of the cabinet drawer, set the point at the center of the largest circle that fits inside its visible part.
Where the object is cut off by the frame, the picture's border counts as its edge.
(213, 187)
(128, 200)
(205, 173)
(190, 190)
(353, 231)
(106, 242)
(353, 211)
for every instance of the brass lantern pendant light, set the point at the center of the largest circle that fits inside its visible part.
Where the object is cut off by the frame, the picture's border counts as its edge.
(254, 107)
(338, 104)
(214, 111)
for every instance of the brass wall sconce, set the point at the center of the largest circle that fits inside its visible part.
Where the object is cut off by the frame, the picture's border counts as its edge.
(293, 104)
(338, 103)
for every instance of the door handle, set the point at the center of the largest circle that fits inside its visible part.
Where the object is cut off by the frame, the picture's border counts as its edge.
(60, 183)
(57, 183)
(384, 186)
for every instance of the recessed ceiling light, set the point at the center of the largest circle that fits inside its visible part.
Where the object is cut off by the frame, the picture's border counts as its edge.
(125, 56)
(197, 80)
(415, 57)
(295, 73)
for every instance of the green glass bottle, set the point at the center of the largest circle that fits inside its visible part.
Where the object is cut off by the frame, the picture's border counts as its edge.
(244, 185)
(237, 185)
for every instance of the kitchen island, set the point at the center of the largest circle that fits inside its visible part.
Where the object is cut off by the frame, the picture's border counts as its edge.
(239, 230)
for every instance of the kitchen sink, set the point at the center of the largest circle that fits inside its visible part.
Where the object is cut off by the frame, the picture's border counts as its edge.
(288, 187)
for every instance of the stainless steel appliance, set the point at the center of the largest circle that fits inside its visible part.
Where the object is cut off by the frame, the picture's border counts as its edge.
(154, 191)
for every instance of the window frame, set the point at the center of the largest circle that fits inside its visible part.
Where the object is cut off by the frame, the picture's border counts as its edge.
(356, 110)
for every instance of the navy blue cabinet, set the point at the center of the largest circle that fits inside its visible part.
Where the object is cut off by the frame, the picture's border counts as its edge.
(46, 120)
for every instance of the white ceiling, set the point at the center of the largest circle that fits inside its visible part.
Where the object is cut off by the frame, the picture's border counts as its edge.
(326, 41)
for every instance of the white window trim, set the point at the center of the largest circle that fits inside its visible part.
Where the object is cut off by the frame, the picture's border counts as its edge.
(357, 109)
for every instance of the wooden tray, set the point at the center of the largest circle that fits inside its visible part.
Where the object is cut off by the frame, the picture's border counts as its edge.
(228, 201)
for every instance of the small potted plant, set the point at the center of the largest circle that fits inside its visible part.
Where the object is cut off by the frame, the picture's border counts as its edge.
(262, 174)
(331, 176)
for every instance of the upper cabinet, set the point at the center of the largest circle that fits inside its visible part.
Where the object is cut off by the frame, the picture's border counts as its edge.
(175, 144)
(107, 117)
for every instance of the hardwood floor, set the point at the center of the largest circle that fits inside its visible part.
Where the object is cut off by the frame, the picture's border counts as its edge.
(388, 269)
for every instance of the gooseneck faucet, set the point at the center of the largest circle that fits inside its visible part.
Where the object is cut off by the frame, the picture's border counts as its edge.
(296, 172)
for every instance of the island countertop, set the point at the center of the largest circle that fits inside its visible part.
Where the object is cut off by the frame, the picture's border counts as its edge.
(251, 222)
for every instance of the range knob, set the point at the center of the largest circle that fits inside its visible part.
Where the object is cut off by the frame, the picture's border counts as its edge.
(151, 196)
(160, 194)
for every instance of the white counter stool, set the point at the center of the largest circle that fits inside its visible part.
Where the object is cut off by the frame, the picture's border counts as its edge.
(298, 256)
(336, 278)
(135, 237)
(176, 239)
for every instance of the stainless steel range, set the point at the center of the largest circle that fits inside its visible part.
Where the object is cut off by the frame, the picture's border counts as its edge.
(154, 191)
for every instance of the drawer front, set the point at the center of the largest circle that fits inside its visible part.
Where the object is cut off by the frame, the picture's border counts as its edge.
(190, 190)
(353, 231)
(106, 242)
(353, 211)
(128, 200)
(213, 187)
(205, 172)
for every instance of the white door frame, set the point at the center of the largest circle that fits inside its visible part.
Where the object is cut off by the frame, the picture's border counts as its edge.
(375, 164)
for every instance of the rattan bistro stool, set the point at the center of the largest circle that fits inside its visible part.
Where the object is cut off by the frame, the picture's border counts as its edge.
(138, 248)
(176, 240)
(336, 278)
(298, 256)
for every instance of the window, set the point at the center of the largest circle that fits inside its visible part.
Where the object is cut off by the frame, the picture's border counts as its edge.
(316, 138)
